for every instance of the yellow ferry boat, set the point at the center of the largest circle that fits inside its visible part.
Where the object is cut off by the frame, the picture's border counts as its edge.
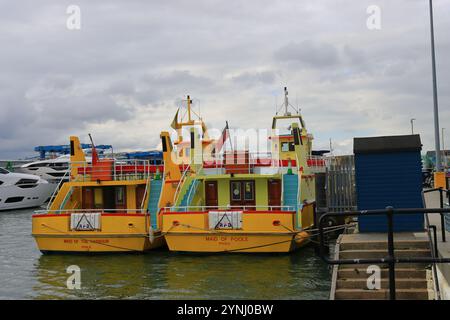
(107, 206)
(238, 201)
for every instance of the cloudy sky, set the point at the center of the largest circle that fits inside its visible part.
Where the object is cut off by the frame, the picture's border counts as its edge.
(122, 74)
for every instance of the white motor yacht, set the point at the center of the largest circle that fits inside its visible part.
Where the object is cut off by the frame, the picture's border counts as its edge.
(19, 190)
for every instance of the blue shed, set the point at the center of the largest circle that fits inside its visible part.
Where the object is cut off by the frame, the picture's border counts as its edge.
(388, 172)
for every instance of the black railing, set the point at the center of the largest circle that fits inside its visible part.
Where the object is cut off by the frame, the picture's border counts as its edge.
(441, 204)
(390, 259)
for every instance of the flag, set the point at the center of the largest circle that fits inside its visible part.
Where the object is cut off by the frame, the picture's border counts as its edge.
(174, 123)
(221, 141)
(94, 151)
(94, 155)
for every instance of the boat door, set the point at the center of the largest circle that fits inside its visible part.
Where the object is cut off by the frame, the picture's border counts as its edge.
(274, 191)
(87, 198)
(140, 193)
(242, 194)
(212, 199)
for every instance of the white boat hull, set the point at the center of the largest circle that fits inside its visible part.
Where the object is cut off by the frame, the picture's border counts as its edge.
(29, 197)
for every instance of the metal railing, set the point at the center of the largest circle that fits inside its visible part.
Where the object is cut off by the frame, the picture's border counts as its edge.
(111, 170)
(390, 259)
(58, 187)
(226, 207)
(317, 163)
(442, 205)
(180, 184)
(66, 211)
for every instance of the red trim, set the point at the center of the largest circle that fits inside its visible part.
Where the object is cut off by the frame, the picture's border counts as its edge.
(245, 212)
(171, 181)
(103, 215)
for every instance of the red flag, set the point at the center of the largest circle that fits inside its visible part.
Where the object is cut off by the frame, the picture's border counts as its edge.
(94, 156)
(221, 141)
(94, 152)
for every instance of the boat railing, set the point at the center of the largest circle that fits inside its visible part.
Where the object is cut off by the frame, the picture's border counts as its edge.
(58, 187)
(110, 170)
(180, 183)
(182, 209)
(103, 211)
(317, 163)
(147, 186)
(240, 161)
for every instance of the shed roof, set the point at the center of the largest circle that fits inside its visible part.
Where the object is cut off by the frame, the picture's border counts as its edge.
(387, 144)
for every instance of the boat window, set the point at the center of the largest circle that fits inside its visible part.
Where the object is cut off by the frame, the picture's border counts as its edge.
(3, 171)
(39, 165)
(120, 195)
(14, 199)
(236, 190)
(287, 146)
(26, 181)
(248, 190)
(1, 182)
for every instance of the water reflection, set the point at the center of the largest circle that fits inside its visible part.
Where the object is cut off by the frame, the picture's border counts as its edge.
(163, 275)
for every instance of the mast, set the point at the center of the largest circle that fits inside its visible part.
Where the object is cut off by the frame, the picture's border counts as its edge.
(286, 102)
(189, 101)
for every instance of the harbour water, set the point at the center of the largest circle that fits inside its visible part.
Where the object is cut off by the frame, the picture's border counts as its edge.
(27, 274)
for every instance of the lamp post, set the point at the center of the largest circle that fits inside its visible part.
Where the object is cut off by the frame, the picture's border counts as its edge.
(435, 98)
(444, 156)
(412, 125)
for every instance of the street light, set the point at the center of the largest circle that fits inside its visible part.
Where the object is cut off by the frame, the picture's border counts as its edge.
(444, 156)
(412, 125)
(435, 99)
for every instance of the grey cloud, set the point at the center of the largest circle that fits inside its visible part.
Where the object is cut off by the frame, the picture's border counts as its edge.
(310, 53)
(255, 78)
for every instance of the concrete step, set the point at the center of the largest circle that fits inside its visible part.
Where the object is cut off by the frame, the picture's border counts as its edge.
(416, 266)
(399, 283)
(382, 294)
(400, 273)
(376, 253)
(382, 245)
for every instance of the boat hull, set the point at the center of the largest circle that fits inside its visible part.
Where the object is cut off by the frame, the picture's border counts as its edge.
(119, 233)
(236, 242)
(104, 243)
(31, 197)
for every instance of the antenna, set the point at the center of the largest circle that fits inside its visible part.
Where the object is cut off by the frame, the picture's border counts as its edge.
(189, 101)
(286, 101)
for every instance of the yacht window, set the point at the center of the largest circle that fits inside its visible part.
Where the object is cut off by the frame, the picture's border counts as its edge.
(26, 181)
(3, 171)
(1, 182)
(39, 165)
(14, 199)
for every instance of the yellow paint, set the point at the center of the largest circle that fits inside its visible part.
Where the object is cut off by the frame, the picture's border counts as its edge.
(259, 234)
(440, 180)
(172, 174)
(131, 197)
(117, 234)
(77, 159)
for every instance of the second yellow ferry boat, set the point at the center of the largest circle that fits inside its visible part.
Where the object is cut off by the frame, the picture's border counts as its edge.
(238, 201)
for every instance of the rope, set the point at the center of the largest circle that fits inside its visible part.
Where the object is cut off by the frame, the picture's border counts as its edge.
(309, 236)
